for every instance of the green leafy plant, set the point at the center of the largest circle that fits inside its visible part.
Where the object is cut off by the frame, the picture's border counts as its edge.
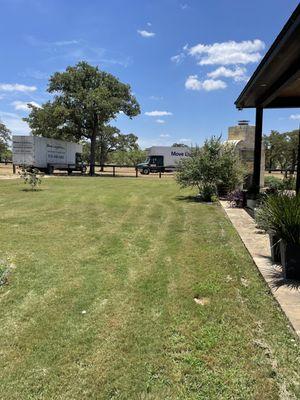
(275, 185)
(210, 167)
(3, 275)
(32, 176)
(289, 183)
(236, 198)
(280, 214)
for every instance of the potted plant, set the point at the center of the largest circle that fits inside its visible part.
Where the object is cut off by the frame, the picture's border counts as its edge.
(283, 214)
(264, 219)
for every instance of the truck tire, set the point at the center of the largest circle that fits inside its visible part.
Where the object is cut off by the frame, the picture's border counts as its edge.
(146, 171)
(50, 169)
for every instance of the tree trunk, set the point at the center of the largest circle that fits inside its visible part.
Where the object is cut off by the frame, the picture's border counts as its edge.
(93, 145)
(92, 155)
(102, 155)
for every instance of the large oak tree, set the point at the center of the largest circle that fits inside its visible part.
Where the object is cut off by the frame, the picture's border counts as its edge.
(85, 100)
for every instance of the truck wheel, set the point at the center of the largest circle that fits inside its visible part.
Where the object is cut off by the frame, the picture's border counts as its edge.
(83, 170)
(50, 169)
(146, 171)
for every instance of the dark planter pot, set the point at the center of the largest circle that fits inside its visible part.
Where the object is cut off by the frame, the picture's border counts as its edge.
(275, 248)
(251, 203)
(290, 260)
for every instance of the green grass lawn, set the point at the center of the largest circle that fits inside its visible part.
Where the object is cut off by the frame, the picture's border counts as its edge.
(99, 302)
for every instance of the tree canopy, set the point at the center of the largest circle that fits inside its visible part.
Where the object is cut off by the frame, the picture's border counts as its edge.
(85, 100)
(4, 140)
(110, 140)
(127, 157)
(281, 150)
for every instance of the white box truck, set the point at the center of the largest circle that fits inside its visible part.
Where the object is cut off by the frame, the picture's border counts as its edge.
(163, 159)
(47, 154)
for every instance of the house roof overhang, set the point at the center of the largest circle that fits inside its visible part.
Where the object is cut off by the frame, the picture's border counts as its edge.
(276, 81)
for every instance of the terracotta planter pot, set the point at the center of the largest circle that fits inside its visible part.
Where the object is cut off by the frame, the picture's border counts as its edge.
(290, 260)
(275, 247)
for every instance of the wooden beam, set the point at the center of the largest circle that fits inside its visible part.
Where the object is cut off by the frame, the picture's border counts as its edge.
(298, 167)
(285, 102)
(257, 148)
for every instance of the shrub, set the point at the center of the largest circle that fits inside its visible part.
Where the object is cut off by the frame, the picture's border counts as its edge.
(289, 183)
(236, 198)
(32, 176)
(280, 214)
(210, 167)
(275, 185)
(208, 193)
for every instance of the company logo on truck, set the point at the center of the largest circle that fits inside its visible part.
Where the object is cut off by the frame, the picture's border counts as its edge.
(181, 154)
(55, 152)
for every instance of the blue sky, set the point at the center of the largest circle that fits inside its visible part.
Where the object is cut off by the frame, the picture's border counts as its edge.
(186, 60)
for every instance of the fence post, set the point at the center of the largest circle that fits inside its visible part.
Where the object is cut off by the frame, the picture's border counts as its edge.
(14, 169)
(159, 172)
(114, 170)
(136, 172)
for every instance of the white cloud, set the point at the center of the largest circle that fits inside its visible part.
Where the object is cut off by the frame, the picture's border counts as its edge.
(160, 141)
(14, 123)
(156, 98)
(193, 83)
(184, 6)
(295, 116)
(23, 105)
(226, 53)
(238, 74)
(178, 58)
(78, 50)
(157, 113)
(149, 24)
(145, 34)
(160, 121)
(65, 42)
(36, 74)
(16, 87)
(164, 135)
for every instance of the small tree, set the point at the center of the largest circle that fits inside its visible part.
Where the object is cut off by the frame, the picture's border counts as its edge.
(208, 167)
(32, 176)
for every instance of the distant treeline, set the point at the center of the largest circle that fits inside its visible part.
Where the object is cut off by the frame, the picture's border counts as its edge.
(281, 150)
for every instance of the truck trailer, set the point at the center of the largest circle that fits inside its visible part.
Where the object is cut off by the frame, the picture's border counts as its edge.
(163, 159)
(47, 154)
